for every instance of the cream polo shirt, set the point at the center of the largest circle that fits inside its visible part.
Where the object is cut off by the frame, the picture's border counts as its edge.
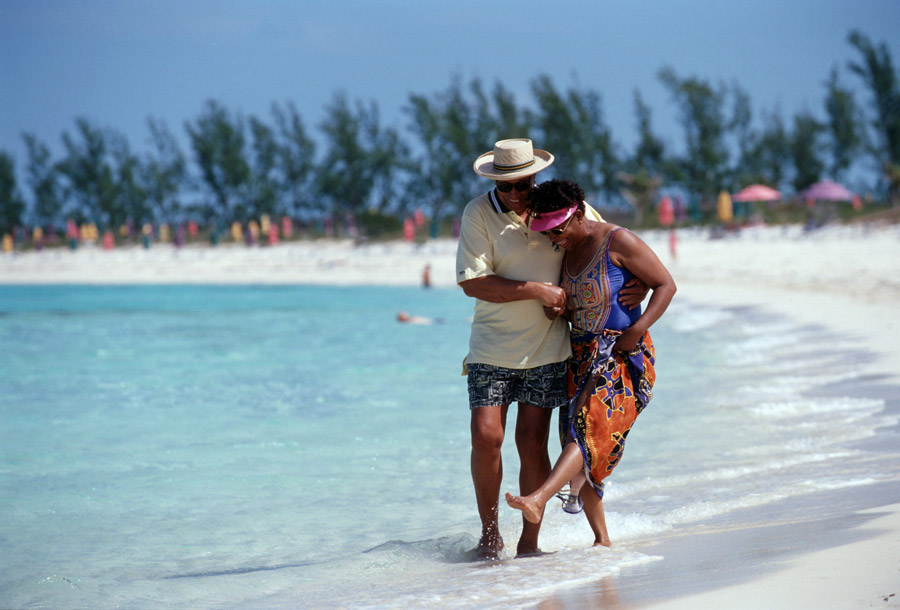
(494, 240)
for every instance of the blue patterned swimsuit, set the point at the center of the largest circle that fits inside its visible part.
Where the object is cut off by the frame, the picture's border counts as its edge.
(595, 293)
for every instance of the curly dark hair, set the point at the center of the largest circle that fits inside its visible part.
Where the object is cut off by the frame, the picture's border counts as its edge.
(555, 195)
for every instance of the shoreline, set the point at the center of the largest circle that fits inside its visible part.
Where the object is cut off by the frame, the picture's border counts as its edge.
(325, 261)
(824, 550)
(835, 549)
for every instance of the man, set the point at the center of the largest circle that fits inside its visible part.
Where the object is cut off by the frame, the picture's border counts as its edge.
(516, 353)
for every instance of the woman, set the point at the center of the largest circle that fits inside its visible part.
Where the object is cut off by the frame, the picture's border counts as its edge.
(611, 373)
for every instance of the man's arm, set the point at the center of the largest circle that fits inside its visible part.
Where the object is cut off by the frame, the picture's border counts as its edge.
(633, 293)
(496, 289)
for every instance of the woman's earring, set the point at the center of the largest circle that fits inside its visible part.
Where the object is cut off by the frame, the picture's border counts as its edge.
(556, 247)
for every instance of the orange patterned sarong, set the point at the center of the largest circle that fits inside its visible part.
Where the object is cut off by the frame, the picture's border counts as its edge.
(607, 391)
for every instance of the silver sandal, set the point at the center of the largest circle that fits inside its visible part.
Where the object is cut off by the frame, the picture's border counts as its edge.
(572, 504)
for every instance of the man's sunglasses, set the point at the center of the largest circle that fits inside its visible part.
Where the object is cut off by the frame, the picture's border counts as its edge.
(505, 187)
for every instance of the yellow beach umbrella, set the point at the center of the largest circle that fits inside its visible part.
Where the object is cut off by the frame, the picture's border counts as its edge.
(726, 212)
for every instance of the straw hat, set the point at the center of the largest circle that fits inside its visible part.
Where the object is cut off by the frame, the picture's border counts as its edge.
(512, 159)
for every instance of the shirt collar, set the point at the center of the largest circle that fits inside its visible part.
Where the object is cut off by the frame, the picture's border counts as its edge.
(498, 205)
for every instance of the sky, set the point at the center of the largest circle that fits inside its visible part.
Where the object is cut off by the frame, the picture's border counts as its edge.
(119, 62)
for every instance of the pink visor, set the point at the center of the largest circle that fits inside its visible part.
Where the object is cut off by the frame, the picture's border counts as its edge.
(548, 220)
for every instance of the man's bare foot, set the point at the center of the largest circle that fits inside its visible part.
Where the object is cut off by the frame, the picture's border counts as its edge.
(488, 549)
(535, 552)
(531, 510)
(607, 543)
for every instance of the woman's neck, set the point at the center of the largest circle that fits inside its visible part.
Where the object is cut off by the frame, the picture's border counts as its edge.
(580, 253)
(591, 235)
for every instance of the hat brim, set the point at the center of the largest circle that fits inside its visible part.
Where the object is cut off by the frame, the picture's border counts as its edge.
(484, 166)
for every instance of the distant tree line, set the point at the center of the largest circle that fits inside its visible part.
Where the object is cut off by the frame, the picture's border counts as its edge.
(242, 167)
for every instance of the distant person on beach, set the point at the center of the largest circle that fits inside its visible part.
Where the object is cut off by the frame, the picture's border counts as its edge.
(516, 353)
(611, 374)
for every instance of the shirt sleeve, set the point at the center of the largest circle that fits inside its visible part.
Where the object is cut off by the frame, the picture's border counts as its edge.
(475, 253)
(592, 213)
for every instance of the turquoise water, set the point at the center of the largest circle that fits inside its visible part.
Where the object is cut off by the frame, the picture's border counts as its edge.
(283, 447)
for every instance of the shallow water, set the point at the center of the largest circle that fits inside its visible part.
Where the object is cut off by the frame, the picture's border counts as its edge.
(275, 447)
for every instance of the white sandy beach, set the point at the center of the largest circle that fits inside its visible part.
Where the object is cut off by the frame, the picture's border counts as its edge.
(845, 279)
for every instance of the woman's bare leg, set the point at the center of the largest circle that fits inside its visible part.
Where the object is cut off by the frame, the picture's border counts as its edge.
(593, 510)
(569, 463)
(577, 483)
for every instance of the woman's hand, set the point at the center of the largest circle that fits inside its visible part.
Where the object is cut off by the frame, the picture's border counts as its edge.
(628, 340)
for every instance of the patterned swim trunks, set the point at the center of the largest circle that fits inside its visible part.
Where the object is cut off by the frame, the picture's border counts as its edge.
(542, 386)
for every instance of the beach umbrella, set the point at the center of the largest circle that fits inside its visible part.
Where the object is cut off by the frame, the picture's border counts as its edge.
(757, 192)
(287, 227)
(827, 190)
(725, 209)
(665, 211)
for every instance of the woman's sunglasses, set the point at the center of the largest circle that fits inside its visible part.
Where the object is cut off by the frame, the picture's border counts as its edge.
(558, 230)
(505, 187)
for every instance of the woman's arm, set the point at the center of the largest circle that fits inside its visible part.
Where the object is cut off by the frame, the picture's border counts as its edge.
(627, 250)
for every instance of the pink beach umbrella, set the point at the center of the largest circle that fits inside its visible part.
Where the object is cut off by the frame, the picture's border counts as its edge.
(757, 192)
(827, 190)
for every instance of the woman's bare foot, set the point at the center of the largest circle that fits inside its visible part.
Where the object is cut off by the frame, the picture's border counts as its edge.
(607, 543)
(531, 509)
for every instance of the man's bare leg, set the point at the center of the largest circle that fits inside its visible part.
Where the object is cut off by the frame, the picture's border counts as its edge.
(532, 435)
(532, 506)
(488, 425)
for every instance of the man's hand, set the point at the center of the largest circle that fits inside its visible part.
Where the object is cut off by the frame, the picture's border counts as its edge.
(633, 293)
(554, 301)
(553, 298)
